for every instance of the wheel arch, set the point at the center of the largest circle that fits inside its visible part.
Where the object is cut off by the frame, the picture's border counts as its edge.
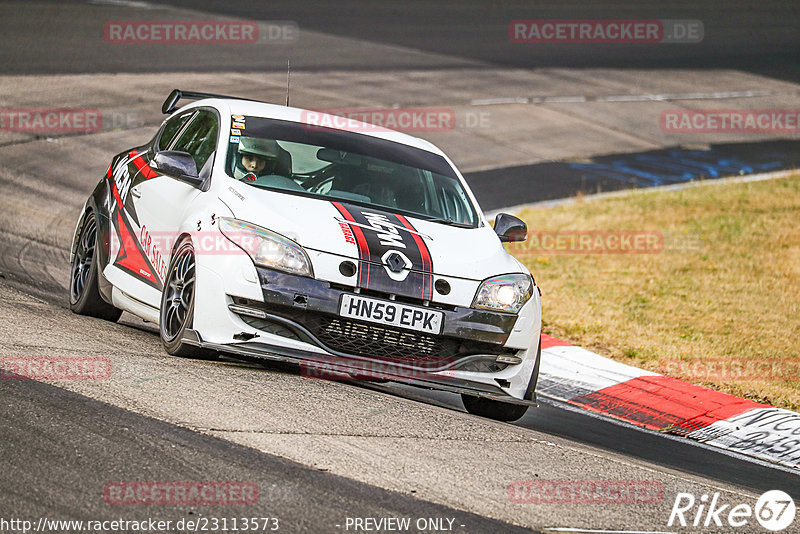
(97, 203)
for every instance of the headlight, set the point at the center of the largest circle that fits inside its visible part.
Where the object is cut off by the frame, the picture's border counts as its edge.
(266, 248)
(508, 292)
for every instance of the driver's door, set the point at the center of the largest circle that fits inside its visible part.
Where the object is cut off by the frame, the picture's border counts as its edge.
(162, 202)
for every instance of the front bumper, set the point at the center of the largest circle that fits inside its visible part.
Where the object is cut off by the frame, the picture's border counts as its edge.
(479, 352)
(319, 366)
(310, 309)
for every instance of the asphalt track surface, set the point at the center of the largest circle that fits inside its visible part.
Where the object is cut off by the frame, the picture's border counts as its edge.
(742, 34)
(757, 36)
(319, 451)
(88, 443)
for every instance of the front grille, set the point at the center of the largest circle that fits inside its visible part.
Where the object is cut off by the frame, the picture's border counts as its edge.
(360, 338)
(365, 339)
(352, 337)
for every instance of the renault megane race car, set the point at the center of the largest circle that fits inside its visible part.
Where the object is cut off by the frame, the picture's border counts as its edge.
(249, 229)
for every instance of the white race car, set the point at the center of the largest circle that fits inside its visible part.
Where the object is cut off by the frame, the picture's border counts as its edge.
(248, 229)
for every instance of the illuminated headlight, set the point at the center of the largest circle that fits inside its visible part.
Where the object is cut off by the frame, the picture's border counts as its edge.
(508, 292)
(266, 248)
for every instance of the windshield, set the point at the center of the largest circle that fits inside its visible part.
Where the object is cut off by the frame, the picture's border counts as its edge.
(333, 164)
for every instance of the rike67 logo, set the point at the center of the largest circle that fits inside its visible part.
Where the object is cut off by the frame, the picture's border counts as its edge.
(774, 510)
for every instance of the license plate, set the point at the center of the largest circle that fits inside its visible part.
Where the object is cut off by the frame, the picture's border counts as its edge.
(391, 314)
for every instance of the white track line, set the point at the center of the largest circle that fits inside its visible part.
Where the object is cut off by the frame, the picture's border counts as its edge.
(592, 531)
(647, 97)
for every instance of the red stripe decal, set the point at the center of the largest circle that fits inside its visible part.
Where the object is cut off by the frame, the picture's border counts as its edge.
(361, 240)
(550, 341)
(659, 402)
(425, 255)
(143, 167)
(115, 193)
(130, 257)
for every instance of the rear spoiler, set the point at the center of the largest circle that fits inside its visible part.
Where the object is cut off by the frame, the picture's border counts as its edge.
(171, 103)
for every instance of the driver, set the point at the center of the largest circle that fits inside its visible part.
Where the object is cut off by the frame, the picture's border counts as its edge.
(257, 157)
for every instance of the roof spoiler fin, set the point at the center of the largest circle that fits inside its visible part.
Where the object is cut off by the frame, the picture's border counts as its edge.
(171, 103)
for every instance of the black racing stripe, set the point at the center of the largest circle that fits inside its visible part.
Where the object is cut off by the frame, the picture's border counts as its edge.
(427, 259)
(384, 231)
(361, 242)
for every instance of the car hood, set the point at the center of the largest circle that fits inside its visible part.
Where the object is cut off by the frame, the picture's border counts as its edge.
(370, 235)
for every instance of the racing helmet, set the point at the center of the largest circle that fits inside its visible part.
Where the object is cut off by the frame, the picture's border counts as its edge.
(266, 149)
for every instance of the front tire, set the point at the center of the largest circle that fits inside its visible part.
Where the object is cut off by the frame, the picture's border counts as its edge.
(503, 411)
(84, 294)
(492, 409)
(177, 304)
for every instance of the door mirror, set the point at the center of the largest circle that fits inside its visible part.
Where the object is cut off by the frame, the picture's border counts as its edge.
(178, 165)
(510, 228)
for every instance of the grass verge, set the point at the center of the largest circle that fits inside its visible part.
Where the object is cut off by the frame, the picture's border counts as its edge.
(711, 294)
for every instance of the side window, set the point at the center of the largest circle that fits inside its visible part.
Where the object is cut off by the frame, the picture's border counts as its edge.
(199, 138)
(171, 129)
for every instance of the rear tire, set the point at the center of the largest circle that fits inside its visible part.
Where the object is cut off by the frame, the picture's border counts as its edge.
(84, 294)
(177, 305)
(492, 409)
